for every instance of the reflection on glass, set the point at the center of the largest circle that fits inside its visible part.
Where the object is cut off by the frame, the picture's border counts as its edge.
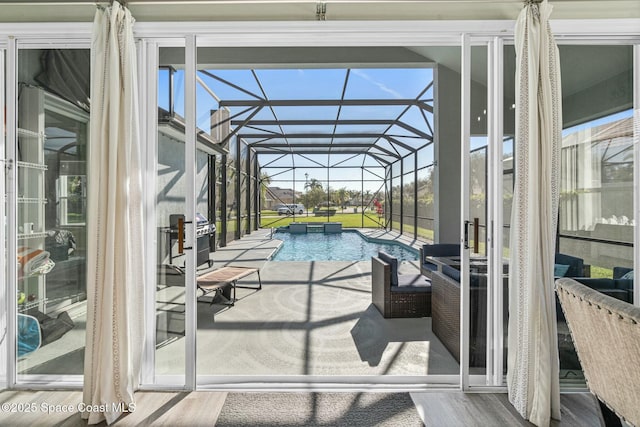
(596, 217)
(53, 136)
(478, 270)
(508, 169)
(478, 202)
(170, 209)
(408, 203)
(426, 212)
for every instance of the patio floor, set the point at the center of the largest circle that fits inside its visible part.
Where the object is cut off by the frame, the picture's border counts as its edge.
(310, 318)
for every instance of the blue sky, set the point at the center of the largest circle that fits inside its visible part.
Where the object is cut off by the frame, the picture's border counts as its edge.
(385, 83)
(298, 84)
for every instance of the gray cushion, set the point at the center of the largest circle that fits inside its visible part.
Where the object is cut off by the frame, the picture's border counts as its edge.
(429, 266)
(441, 249)
(412, 283)
(623, 283)
(454, 273)
(618, 272)
(576, 265)
(597, 283)
(393, 262)
(416, 280)
(560, 270)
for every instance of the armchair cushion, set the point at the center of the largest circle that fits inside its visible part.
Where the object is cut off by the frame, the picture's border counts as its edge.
(560, 270)
(393, 262)
(618, 272)
(412, 283)
(616, 288)
(454, 273)
(441, 249)
(576, 265)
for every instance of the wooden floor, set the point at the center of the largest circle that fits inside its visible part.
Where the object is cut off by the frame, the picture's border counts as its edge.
(203, 408)
(492, 409)
(152, 409)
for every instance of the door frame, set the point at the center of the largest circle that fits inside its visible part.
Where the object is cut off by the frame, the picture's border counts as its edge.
(333, 33)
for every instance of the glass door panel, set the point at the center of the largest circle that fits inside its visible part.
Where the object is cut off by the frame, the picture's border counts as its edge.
(508, 169)
(596, 211)
(4, 273)
(51, 153)
(479, 268)
(171, 187)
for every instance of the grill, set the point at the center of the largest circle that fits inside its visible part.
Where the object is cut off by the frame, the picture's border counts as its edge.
(204, 230)
(203, 227)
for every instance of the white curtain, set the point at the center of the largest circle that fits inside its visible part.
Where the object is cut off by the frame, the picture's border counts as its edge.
(533, 364)
(115, 277)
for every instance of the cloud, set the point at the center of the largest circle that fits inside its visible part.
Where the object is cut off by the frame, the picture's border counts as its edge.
(380, 85)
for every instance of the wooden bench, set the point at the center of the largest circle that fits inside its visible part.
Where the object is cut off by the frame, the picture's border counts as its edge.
(217, 280)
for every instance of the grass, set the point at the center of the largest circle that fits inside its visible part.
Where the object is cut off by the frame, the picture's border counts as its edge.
(409, 229)
(601, 272)
(348, 220)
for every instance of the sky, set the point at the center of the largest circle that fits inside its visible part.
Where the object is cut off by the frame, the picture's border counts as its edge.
(321, 84)
(299, 84)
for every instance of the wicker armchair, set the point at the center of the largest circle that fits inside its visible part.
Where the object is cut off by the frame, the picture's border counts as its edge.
(398, 295)
(606, 332)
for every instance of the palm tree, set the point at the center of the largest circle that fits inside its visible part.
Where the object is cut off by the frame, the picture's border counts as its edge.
(265, 180)
(340, 196)
(312, 184)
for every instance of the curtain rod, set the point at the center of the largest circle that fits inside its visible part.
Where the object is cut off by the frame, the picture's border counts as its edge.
(266, 2)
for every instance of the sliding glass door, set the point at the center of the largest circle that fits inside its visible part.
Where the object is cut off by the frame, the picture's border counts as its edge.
(483, 263)
(47, 204)
(171, 188)
(4, 315)
(216, 147)
(598, 210)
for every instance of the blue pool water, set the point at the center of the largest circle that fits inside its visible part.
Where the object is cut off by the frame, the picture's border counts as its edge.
(346, 246)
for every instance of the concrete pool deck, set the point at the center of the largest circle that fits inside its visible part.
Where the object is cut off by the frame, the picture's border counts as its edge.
(310, 318)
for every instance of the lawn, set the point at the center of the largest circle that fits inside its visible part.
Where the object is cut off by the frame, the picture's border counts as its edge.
(408, 229)
(348, 220)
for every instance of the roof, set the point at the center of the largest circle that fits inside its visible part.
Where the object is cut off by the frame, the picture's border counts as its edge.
(381, 113)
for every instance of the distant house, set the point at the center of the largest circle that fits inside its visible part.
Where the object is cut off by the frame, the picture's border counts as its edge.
(279, 196)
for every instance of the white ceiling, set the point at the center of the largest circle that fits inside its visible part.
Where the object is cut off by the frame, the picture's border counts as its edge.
(582, 66)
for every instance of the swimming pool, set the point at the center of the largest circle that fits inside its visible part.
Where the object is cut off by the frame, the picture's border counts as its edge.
(346, 246)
